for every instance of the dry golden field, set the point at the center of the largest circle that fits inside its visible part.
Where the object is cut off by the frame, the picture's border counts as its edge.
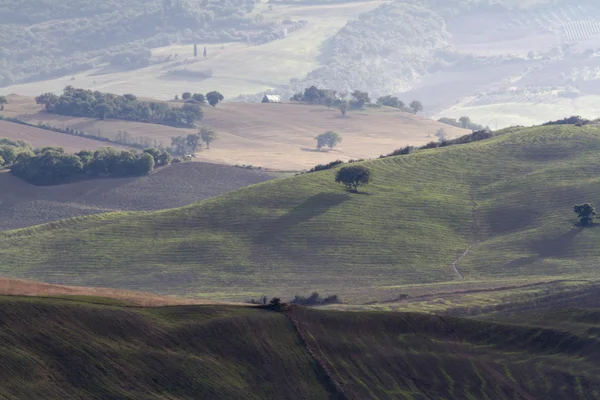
(274, 136)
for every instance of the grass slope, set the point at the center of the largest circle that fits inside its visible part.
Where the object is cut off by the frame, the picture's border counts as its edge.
(23, 204)
(279, 136)
(502, 206)
(60, 349)
(97, 348)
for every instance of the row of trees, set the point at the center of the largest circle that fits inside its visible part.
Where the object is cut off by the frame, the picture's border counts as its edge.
(95, 104)
(191, 143)
(51, 165)
(355, 100)
(213, 98)
(462, 122)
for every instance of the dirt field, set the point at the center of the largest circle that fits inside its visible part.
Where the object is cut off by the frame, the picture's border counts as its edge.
(275, 136)
(42, 138)
(22, 204)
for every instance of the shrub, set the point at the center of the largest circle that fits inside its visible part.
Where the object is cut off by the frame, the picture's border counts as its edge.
(323, 167)
(315, 300)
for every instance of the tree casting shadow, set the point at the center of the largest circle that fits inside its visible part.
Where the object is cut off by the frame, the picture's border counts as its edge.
(305, 211)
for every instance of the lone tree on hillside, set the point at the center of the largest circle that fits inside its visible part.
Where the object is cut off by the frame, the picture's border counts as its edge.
(353, 177)
(585, 213)
(214, 98)
(329, 139)
(208, 136)
(3, 101)
(416, 106)
(186, 96)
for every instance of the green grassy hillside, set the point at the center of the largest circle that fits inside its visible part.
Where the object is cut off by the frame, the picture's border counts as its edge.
(96, 348)
(502, 207)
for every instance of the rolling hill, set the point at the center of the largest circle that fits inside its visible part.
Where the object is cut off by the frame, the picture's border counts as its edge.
(101, 348)
(494, 212)
(275, 136)
(23, 204)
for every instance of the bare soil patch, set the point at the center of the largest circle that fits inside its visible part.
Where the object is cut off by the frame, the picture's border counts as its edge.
(43, 138)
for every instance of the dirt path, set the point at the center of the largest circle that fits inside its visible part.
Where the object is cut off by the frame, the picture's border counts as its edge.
(473, 236)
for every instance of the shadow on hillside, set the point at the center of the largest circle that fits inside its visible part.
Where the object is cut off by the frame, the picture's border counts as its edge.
(557, 246)
(311, 208)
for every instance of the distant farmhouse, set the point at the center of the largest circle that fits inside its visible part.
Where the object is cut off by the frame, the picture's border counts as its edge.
(271, 98)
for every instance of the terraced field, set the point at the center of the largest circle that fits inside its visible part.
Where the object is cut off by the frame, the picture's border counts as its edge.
(276, 136)
(507, 200)
(90, 347)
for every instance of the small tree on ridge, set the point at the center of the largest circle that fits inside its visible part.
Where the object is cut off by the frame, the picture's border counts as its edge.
(353, 177)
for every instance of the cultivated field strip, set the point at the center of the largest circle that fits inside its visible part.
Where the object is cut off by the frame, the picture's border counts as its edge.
(399, 356)
(306, 233)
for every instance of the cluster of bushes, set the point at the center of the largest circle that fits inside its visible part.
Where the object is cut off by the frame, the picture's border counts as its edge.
(323, 167)
(573, 120)
(11, 150)
(472, 137)
(313, 300)
(462, 122)
(51, 165)
(95, 104)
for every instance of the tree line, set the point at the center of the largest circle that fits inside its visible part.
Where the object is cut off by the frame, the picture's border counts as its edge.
(190, 144)
(463, 122)
(52, 165)
(213, 98)
(354, 100)
(94, 104)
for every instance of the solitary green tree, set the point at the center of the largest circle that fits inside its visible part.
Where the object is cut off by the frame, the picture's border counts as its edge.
(329, 139)
(3, 101)
(214, 98)
(353, 176)
(207, 135)
(186, 96)
(585, 212)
